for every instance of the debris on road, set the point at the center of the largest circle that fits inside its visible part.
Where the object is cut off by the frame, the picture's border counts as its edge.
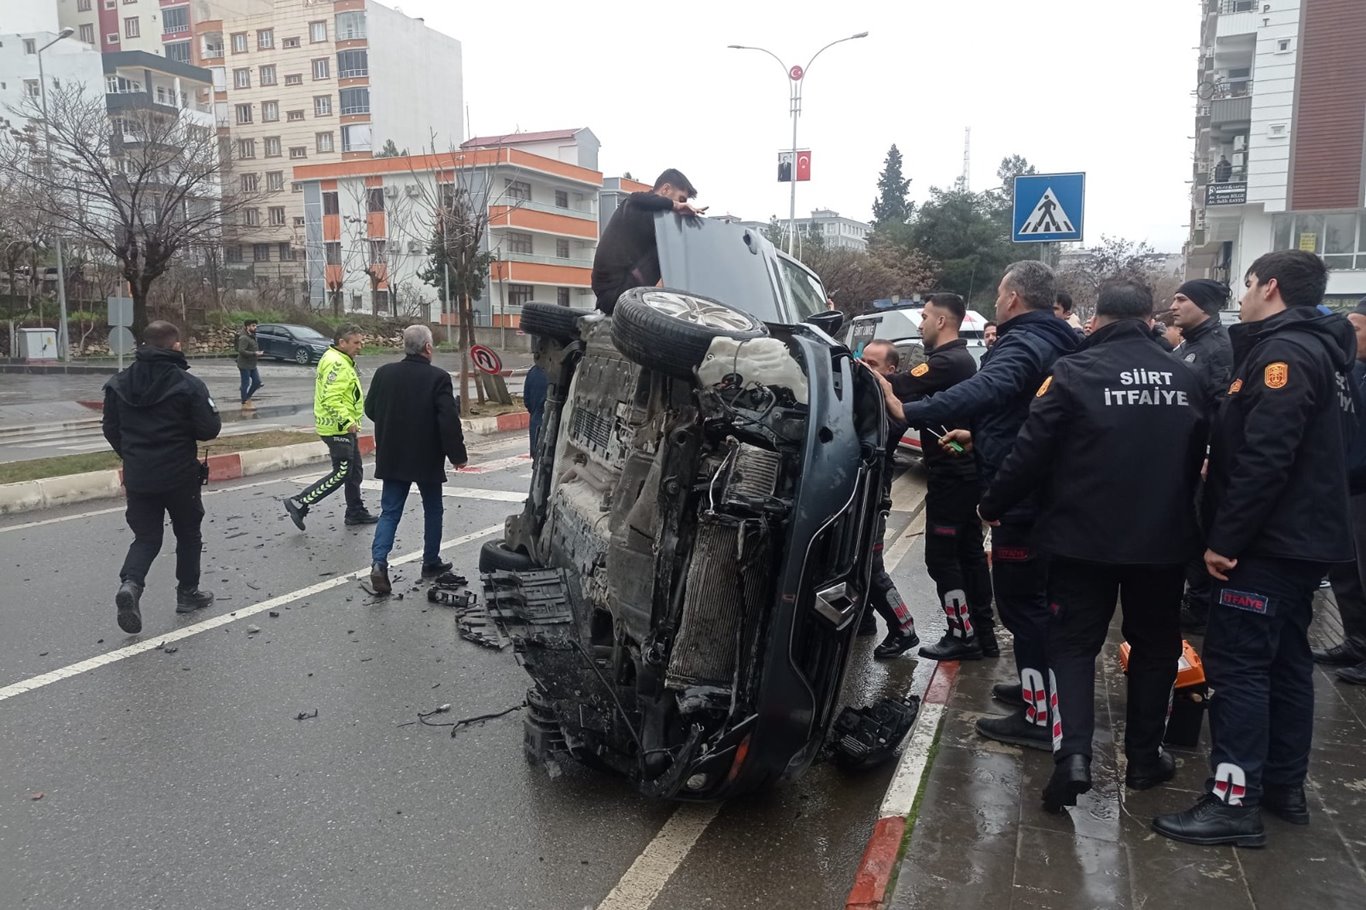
(252, 630)
(274, 614)
(36, 796)
(863, 738)
(304, 715)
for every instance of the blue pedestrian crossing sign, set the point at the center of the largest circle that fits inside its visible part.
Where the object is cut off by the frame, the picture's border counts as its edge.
(1049, 208)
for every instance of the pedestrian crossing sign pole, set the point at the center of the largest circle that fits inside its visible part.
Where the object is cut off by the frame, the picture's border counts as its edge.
(1049, 208)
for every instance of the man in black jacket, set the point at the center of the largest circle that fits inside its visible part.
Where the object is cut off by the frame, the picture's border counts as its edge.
(417, 429)
(155, 413)
(1204, 348)
(1276, 516)
(1116, 410)
(626, 256)
(995, 402)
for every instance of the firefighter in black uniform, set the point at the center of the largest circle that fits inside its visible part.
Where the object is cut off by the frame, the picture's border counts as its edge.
(953, 533)
(882, 358)
(1116, 410)
(1276, 514)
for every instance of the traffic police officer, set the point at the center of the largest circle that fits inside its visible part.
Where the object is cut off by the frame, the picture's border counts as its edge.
(995, 402)
(1116, 410)
(1276, 509)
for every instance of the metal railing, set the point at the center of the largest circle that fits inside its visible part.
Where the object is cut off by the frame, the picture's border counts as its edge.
(355, 109)
(1239, 6)
(353, 73)
(548, 260)
(551, 209)
(351, 34)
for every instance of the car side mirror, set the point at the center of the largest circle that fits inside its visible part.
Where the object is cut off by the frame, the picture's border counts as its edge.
(829, 322)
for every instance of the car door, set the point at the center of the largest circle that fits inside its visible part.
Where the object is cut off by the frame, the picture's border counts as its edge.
(267, 339)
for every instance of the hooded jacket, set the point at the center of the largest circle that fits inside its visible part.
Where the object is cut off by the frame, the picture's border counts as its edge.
(995, 401)
(154, 413)
(1208, 352)
(1278, 467)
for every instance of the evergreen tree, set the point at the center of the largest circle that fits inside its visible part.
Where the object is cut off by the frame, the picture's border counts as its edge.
(891, 208)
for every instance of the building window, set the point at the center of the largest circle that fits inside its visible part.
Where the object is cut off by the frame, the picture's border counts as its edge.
(355, 101)
(562, 248)
(175, 19)
(270, 111)
(317, 32)
(88, 34)
(239, 42)
(241, 78)
(232, 253)
(244, 113)
(381, 300)
(519, 294)
(132, 27)
(377, 252)
(562, 296)
(265, 39)
(322, 69)
(298, 219)
(272, 146)
(286, 252)
(260, 252)
(1339, 237)
(517, 190)
(374, 199)
(275, 181)
(294, 79)
(351, 26)
(332, 252)
(277, 215)
(353, 64)
(519, 242)
(323, 142)
(561, 199)
(268, 75)
(246, 148)
(298, 151)
(82, 6)
(32, 89)
(330, 204)
(252, 217)
(295, 187)
(249, 183)
(179, 51)
(111, 38)
(356, 137)
(290, 43)
(294, 116)
(322, 105)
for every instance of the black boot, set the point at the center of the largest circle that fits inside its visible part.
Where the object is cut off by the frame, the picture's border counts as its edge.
(1343, 655)
(952, 648)
(1071, 778)
(1146, 775)
(126, 601)
(433, 569)
(297, 511)
(1354, 675)
(1017, 731)
(379, 579)
(187, 600)
(1286, 803)
(1210, 822)
(362, 517)
(1009, 693)
(896, 644)
(987, 638)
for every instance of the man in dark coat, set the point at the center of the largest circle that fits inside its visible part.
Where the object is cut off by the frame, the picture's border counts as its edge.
(626, 256)
(417, 429)
(155, 413)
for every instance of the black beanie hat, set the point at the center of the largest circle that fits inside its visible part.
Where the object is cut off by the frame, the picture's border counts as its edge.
(1206, 293)
(1360, 308)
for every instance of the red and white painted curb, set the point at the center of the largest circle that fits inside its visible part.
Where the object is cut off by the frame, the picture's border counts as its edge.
(873, 880)
(503, 423)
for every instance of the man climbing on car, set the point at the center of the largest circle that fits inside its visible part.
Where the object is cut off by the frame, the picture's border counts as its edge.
(626, 256)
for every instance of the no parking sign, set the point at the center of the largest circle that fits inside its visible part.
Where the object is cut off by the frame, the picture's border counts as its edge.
(486, 359)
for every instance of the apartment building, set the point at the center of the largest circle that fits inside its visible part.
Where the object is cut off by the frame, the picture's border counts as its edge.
(369, 224)
(161, 27)
(22, 35)
(1280, 149)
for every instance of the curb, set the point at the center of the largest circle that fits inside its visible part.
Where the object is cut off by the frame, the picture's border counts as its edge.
(877, 868)
(503, 423)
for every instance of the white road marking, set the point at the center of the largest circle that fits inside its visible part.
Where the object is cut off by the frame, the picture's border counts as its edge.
(651, 871)
(154, 642)
(377, 486)
(898, 550)
(910, 769)
(487, 467)
(53, 521)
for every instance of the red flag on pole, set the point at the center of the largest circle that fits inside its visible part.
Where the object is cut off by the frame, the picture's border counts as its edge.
(804, 164)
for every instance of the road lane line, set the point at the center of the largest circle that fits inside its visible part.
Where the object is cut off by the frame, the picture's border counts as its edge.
(902, 545)
(498, 464)
(214, 492)
(651, 871)
(911, 768)
(459, 492)
(156, 641)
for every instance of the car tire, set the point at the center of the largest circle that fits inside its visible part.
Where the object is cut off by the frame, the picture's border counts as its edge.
(303, 356)
(550, 320)
(497, 556)
(671, 331)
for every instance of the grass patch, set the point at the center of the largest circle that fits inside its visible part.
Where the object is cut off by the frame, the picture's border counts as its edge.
(62, 465)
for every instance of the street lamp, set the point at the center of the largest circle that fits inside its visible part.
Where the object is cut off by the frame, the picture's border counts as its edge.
(63, 343)
(795, 75)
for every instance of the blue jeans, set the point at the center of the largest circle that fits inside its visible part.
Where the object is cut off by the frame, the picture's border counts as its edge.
(251, 381)
(391, 502)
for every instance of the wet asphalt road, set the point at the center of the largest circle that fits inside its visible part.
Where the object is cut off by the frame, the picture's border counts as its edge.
(181, 777)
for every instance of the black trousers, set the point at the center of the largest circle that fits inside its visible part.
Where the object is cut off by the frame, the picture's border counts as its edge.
(1258, 663)
(882, 594)
(146, 516)
(954, 556)
(1348, 589)
(1020, 575)
(346, 473)
(1082, 596)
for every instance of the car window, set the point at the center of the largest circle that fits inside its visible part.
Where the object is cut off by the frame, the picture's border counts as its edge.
(804, 292)
(911, 354)
(304, 333)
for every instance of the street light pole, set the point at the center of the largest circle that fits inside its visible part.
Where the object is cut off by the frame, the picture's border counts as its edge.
(63, 343)
(795, 75)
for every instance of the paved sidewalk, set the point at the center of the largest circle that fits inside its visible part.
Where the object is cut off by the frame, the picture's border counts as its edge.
(983, 839)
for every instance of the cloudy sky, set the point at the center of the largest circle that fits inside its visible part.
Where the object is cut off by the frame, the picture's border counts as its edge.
(1093, 85)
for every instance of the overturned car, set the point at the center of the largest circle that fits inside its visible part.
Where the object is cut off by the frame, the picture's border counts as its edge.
(684, 582)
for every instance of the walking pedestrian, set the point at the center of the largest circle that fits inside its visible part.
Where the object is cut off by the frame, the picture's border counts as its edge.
(1115, 410)
(417, 430)
(248, 362)
(995, 402)
(337, 411)
(882, 358)
(155, 414)
(534, 388)
(1276, 507)
(626, 256)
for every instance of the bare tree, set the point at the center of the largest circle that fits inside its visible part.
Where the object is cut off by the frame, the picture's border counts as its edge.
(142, 186)
(1081, 274)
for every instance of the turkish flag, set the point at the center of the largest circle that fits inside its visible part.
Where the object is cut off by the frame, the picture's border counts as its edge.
(804, 164)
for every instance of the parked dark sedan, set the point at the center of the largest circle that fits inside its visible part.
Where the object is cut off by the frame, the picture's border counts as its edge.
(298, 343)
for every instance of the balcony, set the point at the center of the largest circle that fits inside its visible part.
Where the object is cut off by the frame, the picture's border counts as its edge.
(348, 109)
(353, 73)
(1224, 112)
(351, 34)
(548, 260)
(213, 52)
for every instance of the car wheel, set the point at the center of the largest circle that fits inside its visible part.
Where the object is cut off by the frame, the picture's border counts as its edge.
(671, 331)
(550, 320)
(497, 556)
(302, 356)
